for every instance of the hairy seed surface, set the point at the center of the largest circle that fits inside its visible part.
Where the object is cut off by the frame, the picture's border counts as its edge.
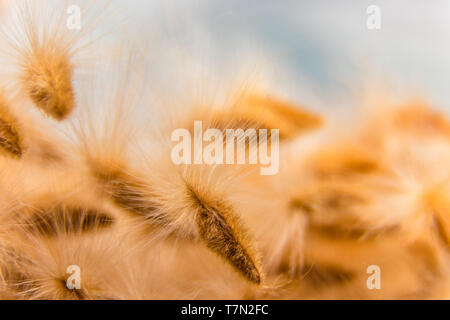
(48, 81)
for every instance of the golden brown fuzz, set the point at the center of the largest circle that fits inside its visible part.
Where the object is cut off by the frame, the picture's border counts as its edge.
(259, 112)
(219, 229)
(48, 82)
(274, 113)
(55, 221)
(10, 139)
(130, 194)
(217, 225)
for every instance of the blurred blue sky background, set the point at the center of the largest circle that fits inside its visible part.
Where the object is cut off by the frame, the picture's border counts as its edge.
(324, 43)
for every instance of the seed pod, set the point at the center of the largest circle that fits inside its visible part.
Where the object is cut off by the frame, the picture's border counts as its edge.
(265, 112)
(10, 140)
(211, 220)
(51, 222)
(276, 110)
(131, 194)
(48, 82)
(220, 230)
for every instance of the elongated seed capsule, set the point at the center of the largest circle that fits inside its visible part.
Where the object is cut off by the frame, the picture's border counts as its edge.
(48, 82)
(71, 220)
(10, 139)
(216, 224)
(222, 233)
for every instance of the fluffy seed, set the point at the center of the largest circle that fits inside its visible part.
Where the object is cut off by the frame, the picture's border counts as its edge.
(277, 114)
(68, 220)
(225, 238)
(10, 140)
(48, 81)
(130, 194)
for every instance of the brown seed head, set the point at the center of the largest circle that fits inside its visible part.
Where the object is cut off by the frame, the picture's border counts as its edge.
(10, 140)
(221, 232)
(48, 82)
